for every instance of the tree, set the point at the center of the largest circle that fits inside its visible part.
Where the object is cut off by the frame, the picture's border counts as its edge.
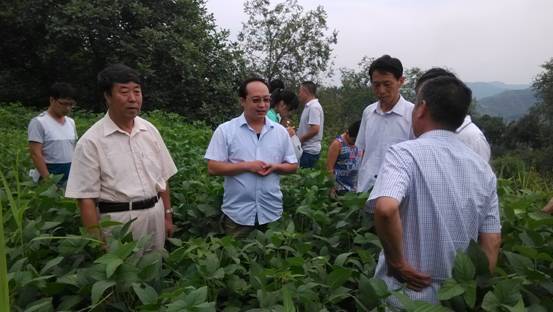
(188, 66)
(285, 42)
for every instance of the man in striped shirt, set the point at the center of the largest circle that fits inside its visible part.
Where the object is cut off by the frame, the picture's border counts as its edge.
(433, 195)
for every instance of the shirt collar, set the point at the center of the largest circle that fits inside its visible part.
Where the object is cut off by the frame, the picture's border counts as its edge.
(438, 133)
(242, 121)
(110, 127)
(311, 102)
(401, 108)
(466, 122)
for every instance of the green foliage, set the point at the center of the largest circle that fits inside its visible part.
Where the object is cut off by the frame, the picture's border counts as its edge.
(319, 256)
(285, 42)
(188, 65)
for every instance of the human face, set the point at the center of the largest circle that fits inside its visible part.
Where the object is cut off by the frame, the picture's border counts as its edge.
(386, 88)
(257, 100)
(62, 106)
(282, 109)
(303, 95)
(125, 101)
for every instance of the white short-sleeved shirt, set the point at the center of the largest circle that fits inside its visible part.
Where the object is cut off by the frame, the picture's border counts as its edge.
(113, 165)
(472, 136)
(447, 196)
(379, 130)
(58, 140)
(249, 195)
(312, 115)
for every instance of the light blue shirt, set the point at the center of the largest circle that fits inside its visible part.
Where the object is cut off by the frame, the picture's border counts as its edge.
(249, 195)
(379, 130)
(448, 196)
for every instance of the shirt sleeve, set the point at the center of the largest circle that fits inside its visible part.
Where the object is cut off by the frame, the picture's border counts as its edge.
(84, 176)
(217, 149)
(314, 117)
(490, 212)
(168, 168)
(290, 155)
(360, 140)
(393, 178)
(36, 131)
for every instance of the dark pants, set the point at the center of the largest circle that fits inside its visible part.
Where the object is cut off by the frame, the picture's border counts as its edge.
(238, 230)
(309, 160)
(60, 169)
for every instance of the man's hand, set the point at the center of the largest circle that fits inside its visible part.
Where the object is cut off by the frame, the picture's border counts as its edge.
(405, 273)
(291, 131)
(169, 224)
(549, 207)
(256, 166)
(267, 169)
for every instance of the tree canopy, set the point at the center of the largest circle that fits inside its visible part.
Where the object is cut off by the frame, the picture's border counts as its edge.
(188, 65)
(285, 41)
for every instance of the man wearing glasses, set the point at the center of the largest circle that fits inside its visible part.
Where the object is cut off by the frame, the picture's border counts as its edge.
(251, 151)
(52, 135)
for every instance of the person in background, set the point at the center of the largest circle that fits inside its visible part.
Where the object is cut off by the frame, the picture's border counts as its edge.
(251, 152)
(285, 103)
(310, 130)
(343, 161)
(274, 86)
(52, 135)
(385, 122)
(432, 196)
(468, 132)
(121, 166)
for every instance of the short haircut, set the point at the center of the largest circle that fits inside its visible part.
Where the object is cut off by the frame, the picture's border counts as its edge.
(242, 90)
(433, 73)
(116, 73)
(447, 99)
(310, 86)
(353, 129)
(62, 90)
(288, 97)
(387, 64)
(275, 84)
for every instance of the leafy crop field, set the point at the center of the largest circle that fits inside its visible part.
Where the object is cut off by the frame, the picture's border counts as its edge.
(319, 257)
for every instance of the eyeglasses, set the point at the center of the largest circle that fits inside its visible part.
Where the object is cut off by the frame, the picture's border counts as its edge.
(258, 100)
(67, 102)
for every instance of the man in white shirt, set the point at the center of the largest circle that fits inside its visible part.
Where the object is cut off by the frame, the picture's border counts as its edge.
(310, 130)
(52, 134)
(468, 132)
(121, 165)
(385, 122)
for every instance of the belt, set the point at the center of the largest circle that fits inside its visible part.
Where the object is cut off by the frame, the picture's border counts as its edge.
(106, 207)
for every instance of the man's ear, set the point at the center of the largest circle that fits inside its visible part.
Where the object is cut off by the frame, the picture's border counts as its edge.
(401, 80)
(421, 110)
(107, 100)
(242, 101)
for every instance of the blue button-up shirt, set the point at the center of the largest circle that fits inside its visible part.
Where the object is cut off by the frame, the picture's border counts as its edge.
(249, 195)
(448, 196)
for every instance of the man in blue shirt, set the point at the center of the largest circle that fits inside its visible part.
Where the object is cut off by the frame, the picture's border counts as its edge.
(250, 151)
(432, 196)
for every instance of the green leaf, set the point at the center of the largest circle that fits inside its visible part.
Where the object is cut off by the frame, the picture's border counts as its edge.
(196, 296)
(508, 291)
(449, 289)
(478, 258)
(490, 302)
(50, 264)
(463, 269)
(145, 293)
(338, 277)
(125, 250)
(111, 261)
(98, 290)
(41, 305)
(518, 307)
(341, 259)
(287, 300)
(470, 293)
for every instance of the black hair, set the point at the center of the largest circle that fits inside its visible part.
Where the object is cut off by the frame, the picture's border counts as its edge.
(62, 90)
(447, 99)
(275, 84)
(116, 73)
(353, 129)
(433, 73)
(387, 64)
(310, 86)
(243, 92)
(288, 97)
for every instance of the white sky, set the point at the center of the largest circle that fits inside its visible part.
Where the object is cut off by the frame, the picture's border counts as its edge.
(480, 40)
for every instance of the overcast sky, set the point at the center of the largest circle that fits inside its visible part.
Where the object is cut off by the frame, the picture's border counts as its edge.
(480, 40)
